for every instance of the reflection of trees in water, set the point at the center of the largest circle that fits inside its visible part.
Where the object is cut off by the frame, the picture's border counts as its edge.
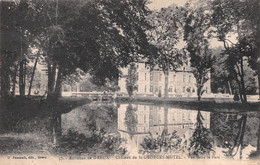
(131, 119)
(201, 140)
(239, 139)
(55, 127)
(169, 143)
(96, 140)
(229, 130)
(224, 127)
(256, 154)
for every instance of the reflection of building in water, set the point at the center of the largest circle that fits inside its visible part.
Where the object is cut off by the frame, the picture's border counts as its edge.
(154, 119)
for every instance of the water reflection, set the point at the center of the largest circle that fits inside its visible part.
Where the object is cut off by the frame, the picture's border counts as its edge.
(101, 129)
(137, 122)
(90, 129)
(236, 133)
(201, 140)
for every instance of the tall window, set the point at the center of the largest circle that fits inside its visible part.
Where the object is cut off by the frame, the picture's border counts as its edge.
(174, 77)
(184, 78)
(160, 77)
(156, 88)
(151, 88)
(65, 88)
(151, 76)
(145, 88)
(183, 90)
(74, 88)
(170, 89)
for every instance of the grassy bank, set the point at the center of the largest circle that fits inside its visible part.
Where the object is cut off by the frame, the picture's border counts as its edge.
(17, 109)
(45, 134)
(206, 104)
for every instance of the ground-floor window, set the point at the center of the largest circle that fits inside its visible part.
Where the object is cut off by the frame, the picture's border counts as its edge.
(74, 88)
(66, 88)
(170, 89)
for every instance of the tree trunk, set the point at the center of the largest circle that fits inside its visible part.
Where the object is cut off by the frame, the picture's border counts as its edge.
(199, 97)
(166, 74)
(58, 85)
(5, 79)
(14, 81)
(258, 50)
(22, 78)
(34, 68)
(199, 88)
(51, 79)
(243, 82)
(258, 75)
(229, 87)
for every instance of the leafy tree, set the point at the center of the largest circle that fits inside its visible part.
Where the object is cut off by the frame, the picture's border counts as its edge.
(111, 35)
(220, 78)
(227, 19)
(131, 79)
(201, 59)
(165, 35)
(98, 37)
(15, 35)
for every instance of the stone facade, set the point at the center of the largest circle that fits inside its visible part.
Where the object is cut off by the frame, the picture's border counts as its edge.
(181, 83)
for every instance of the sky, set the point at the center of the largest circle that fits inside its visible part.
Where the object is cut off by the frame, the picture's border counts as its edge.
(158, 4)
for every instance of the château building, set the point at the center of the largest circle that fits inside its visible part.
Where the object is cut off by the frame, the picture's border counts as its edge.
(181, 83)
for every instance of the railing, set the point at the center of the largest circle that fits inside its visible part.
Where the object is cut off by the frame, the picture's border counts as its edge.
(94, 96)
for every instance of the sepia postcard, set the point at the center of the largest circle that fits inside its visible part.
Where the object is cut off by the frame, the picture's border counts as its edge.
(130, 82)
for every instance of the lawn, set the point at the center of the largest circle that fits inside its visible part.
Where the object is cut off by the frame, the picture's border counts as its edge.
(206, 104)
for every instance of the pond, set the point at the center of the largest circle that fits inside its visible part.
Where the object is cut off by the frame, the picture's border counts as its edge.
(136, 129)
